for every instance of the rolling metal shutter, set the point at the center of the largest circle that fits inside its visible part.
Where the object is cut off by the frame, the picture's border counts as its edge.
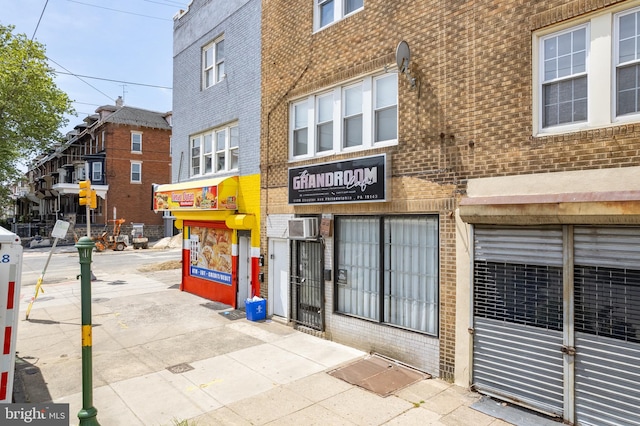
(518, 315)
(607, 324)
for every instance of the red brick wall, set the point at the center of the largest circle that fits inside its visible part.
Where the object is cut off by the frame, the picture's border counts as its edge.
(133, 200)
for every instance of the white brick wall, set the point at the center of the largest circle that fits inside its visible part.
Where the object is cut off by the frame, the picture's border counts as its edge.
(278, 225)
(236, 98)
(416, 349)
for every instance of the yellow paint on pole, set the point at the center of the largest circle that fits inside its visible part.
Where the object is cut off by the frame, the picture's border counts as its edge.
(86, 335)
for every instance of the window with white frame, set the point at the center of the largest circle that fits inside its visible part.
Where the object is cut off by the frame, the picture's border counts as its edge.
(300, 128)
(564, 78)
(136, 142)
(388, 270)
(96, 171)
(215, 151)
(627, 61)
(213, 63)
(207, 153)
(103, 138)
(329, 11)
(195, 155)
(136, 172)
(324, 122)
(575, 92)
(356, 116)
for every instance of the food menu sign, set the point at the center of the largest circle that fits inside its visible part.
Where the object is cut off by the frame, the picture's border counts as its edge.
(361, 180)
(210, 254)
(217, 195)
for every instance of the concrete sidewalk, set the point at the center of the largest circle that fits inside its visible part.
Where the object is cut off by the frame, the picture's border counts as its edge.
(162, 356)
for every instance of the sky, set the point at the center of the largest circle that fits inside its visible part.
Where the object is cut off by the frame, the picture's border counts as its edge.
(103, 49)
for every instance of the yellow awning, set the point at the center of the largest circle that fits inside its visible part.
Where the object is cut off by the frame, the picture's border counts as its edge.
(199, 195)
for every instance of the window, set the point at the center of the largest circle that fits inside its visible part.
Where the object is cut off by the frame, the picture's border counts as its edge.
(564, 80)
(329, 11)
(628, 63)
(576, 93)
(324, 126)
(233, 148)
(195, 155)
(207, 153)
(388, 270)
(361, 115)
(300, 128)
(103, 138)
(96, 171)
(221, 153)
(353, 116)
(215, 151)
(385, 109)
(136, 142)
(213, 63)
(136, 172)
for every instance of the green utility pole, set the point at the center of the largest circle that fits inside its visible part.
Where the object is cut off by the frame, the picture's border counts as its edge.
(88, 413)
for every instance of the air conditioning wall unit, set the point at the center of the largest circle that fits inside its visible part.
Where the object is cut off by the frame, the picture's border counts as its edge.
(303, 228)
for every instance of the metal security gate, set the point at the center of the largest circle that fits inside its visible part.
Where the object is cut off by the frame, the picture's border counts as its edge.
(307, 284)
(518, 316)
(576, 355)
(607, 324)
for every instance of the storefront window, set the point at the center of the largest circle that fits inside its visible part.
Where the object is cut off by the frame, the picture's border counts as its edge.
(393, 258)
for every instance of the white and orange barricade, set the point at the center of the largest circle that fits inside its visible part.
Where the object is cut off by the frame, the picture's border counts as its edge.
(10, 273)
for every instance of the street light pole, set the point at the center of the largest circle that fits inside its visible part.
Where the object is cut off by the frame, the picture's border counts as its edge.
(88, 413)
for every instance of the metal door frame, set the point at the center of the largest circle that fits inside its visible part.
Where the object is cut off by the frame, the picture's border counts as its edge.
(307, 284)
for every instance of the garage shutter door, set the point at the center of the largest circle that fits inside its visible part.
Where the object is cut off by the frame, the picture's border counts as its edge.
(607, 324)
(518, 315)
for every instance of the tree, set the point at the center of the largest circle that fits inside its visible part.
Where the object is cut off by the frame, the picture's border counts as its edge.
(32, 108)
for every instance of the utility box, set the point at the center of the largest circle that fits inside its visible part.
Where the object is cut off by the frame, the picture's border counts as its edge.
(10, 273)
(256, 309)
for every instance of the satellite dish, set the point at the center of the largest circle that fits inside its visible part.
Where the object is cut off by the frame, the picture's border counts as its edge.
(403, 56)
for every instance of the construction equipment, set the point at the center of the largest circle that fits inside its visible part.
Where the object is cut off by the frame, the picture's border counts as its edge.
(115, 241)
(137, 236)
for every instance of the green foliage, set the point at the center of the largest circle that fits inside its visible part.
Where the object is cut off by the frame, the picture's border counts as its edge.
(32, 108)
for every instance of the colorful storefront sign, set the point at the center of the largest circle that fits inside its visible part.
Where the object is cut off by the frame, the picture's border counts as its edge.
(209, 194)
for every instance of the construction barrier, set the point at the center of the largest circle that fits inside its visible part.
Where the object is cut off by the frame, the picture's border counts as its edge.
(10, 272)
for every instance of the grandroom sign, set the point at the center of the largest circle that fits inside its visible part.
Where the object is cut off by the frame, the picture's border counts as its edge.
(360, 180)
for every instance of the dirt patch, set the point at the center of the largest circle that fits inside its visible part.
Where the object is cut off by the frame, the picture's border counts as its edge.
(164, 266)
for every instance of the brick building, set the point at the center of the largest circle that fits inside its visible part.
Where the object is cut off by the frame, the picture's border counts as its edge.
(214, 193)
(124, 150)
(502, 247)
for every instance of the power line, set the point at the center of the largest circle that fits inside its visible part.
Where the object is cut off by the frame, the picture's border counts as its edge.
(115, 81)
(39, 19)
(120, 11)
(88, 84)
(168, 3)
(85, 103)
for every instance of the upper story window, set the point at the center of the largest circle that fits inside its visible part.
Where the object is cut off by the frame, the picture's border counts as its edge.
(213, 63)
(96, 171)
(195, 155)
(136, 142)
(328, 11)
(627, 61)
(357, 116)
(572, 91)
(564, 86)
(136, 172)
(215, 151)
